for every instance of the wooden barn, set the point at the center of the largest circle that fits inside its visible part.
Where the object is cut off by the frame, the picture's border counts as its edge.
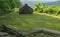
(25, 10)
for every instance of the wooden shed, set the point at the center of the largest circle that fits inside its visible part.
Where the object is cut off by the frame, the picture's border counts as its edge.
(25, 10)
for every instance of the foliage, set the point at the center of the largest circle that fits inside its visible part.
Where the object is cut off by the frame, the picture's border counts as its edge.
(6, 6)
(47, 9)
(39, 7)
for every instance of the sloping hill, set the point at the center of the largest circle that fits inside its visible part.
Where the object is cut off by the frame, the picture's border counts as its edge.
(53, 3)
(32, 3)
(30, 21)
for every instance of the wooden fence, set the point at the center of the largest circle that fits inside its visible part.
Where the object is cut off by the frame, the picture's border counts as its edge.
(34, 31)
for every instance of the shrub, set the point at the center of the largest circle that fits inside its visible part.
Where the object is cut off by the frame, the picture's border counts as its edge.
(46, 10)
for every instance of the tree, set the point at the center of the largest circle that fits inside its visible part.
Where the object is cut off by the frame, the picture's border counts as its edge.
(6, 6)
(39, 7)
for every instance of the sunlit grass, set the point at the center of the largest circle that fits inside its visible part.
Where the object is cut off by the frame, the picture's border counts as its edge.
(31, 21)
(58, 17)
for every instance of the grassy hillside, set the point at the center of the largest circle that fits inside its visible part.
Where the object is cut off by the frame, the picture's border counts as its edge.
(30, 21)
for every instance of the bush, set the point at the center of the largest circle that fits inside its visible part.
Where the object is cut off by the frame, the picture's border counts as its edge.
(41, 8)
(51, 11)
(46, 10)
(58, 12)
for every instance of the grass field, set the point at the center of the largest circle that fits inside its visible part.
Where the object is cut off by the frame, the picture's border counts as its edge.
(30, 21)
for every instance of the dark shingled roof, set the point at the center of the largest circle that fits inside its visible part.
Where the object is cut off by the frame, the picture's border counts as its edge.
(25, 10)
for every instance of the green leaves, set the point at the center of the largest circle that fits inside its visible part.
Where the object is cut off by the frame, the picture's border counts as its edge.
(8, 5)
(39, 7)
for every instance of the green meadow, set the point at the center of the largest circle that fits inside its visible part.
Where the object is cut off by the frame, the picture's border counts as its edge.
(30, 21)
(43, 16)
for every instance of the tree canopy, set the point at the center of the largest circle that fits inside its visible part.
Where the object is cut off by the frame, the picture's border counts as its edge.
(8, 5)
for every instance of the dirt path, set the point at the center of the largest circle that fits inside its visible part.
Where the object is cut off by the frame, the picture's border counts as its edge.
(49, 15)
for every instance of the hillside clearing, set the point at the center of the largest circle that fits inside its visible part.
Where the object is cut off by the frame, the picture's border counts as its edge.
(30, 21)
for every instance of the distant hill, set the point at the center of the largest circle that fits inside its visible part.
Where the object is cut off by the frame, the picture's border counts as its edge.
(31, 3)
(53, 3)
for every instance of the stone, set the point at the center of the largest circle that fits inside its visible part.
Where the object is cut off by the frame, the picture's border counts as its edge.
(3, 34)
(25, 10)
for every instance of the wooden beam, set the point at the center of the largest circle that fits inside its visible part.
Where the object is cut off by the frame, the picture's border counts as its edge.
(11, 31)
